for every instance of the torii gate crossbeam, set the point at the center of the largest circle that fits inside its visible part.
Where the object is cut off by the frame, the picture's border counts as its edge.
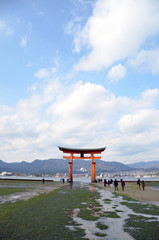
(91, 156)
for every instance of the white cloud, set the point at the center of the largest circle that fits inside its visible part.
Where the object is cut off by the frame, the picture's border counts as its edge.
(146, 61)
(116, 73)
(141, 121)
(4, 109)
(45, 73)
(138, 135)
(149, 97)
(80, 115)
(116, 31)
(75, 29)
(42, 73)
(24, 41)
(5, 29)
(69, 27)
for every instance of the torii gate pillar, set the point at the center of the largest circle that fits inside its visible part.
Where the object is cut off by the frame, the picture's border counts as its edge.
(71, 168)
(91, 152)
(93, 173)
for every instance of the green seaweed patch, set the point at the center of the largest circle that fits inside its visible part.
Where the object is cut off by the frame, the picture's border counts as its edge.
(8, 191)
(107, 200)
(115, 195)
(96, 204)
(96, 209)
(87, 214)
(100, 234)
(45, 216)
(92, 203)
(128, 198)
(142, 228)
(101, 226)
(110, 214)
(142, 208)
(117, 210)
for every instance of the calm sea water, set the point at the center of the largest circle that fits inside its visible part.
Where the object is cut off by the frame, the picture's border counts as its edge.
(78, 179)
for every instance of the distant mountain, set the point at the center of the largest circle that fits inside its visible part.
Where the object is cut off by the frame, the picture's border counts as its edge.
(149, 166)
(52, 166)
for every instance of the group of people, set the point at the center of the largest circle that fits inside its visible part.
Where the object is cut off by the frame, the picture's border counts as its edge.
(110, 184)
(62, 180)
(116, 184)
(141, 183)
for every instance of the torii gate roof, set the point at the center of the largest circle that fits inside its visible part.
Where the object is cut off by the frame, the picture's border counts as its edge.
(82, 150)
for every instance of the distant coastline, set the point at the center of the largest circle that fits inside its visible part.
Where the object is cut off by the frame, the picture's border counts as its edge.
(79, 179)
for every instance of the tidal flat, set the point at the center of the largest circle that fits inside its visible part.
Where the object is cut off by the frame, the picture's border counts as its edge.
(80, 211)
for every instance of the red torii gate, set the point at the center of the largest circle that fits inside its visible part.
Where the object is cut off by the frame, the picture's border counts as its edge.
(73, 151)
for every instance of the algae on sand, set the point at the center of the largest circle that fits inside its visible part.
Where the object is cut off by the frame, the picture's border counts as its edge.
(142, 228)
(53, 216)
(45, 216)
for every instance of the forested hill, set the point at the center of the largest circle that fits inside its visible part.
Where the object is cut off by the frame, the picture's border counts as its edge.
(150, 166)
(52, 166)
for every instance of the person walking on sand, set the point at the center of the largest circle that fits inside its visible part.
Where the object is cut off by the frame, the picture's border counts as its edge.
(121, 181)
(123, 184)
(108, 183)
(116, 184)
(111, 183)
(143, 184)
(139, 183)
(105, 182)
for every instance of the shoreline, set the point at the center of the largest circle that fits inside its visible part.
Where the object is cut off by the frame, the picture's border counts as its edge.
(76, 179)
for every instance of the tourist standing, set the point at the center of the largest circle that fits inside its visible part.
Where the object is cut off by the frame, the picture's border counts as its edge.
(108, 183)
(123, 184)
(116, 184)
(105, 182)
(139, 183)
(143, 185)
(111, 183)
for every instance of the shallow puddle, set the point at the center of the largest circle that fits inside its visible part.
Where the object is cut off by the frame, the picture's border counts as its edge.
(18, 196)
(30, 190)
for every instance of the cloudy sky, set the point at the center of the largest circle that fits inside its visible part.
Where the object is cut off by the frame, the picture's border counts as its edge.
(79, 73)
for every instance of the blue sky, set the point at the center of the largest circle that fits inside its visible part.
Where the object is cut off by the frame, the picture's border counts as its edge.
(79, 74)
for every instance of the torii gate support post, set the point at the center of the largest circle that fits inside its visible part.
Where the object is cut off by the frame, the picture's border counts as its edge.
(93, 174)
(70, 168)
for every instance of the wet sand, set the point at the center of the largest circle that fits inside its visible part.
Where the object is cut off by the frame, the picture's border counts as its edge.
(115, 225)
(36, 188)
(149, 195)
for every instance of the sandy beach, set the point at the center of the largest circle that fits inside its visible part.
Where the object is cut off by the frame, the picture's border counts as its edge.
(131, 189)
